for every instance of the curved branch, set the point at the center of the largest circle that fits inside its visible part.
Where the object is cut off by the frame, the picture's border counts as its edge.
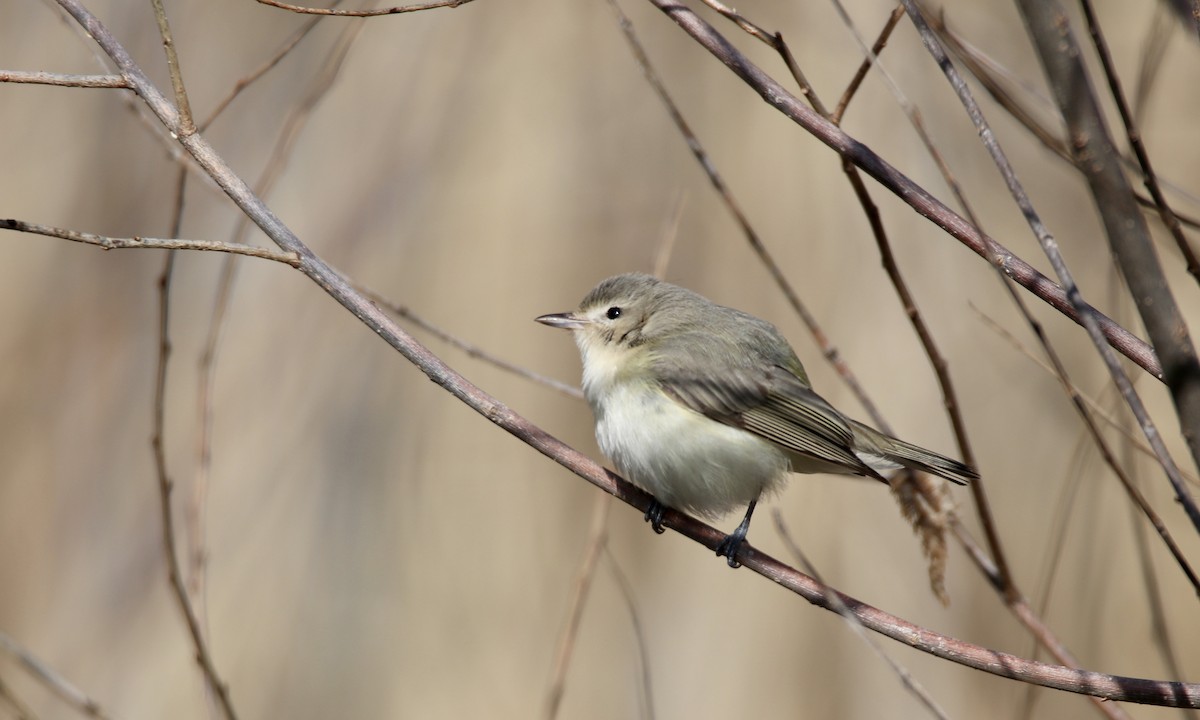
(904, 188)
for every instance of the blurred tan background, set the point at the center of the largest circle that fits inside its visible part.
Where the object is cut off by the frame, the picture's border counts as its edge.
(378, 550)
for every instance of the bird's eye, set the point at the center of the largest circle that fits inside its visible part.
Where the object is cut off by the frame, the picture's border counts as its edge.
(613, 313)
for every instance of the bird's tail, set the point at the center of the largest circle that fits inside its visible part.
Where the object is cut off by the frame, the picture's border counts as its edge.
(884, 452)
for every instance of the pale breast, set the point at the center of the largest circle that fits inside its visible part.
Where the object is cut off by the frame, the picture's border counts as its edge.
(686, 460)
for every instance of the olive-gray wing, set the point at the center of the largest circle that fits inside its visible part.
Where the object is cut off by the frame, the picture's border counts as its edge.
(773, 404)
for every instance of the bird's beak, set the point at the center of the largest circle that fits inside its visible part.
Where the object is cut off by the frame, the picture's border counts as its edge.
(566, 321)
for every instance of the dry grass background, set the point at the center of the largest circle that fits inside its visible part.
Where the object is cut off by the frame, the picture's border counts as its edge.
(379, 550)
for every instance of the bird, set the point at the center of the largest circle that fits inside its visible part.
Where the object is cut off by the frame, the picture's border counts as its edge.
(708, 408)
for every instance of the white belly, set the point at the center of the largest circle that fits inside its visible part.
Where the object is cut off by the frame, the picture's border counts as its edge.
(685, 460)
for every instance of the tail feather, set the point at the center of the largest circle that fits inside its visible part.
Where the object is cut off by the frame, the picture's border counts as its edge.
(884, 452)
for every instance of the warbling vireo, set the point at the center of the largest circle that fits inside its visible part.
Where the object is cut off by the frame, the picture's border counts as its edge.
(707, 408)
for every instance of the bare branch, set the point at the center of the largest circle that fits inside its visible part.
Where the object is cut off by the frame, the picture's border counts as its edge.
(1134, 440)
(61, 80)
(165, 486)
(580, 590)
(364, 13)
(639, 634)
(906, 678)
(1135, 142)
(296, 120)
(112, 243)
(284, 48)
(186, 125)
(57, 684)
(403, 311)
(867, 63)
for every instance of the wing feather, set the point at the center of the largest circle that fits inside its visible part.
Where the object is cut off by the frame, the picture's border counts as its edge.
(775, 405)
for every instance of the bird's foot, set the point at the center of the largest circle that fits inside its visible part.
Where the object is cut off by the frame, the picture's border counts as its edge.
(732, 543)
(729, 548)
(654, 516)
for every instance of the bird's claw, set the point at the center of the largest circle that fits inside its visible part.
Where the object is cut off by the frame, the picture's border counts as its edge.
(729, 548)
(654, 516)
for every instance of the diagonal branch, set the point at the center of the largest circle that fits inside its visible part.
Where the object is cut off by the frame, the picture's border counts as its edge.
(57, 684)
(1128, 237)
(910, 192)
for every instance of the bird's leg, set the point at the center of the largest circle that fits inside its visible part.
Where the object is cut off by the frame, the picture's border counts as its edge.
(732, 543)
(654, 515)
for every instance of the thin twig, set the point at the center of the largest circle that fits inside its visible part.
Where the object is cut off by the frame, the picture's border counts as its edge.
(906, 678)
(62, 80)
(1056, 550)
(204, 657)
(1027, 616)
(1159, 628)
(667, 238)
(205, 388)
(1154, 46)
(1110, 459)
(364, 13)
(187, 126)
(56, 683)
(741, 21)
(112, 243)
(1135, 142)
(1097, 410)
(867, 63)
(471, 349)
(247, 80)
(639, 634)
(21, 710)
(581, 589)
